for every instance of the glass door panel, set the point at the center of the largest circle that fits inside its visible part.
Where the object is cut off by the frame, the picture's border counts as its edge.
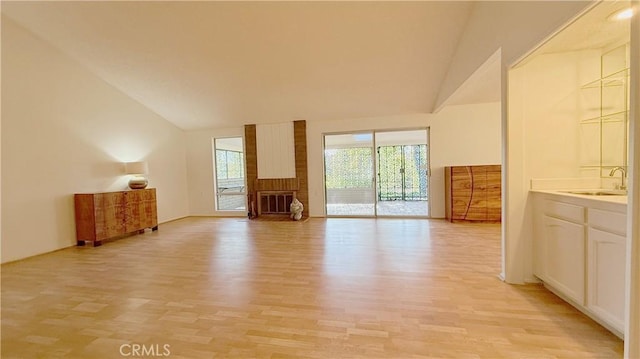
(402, 173)
(349, 178)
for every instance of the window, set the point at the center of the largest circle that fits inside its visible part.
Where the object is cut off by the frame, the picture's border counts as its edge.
(229, 174)
(230, 165)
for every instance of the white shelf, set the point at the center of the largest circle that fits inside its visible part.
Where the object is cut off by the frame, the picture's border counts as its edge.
(619, 78)
(608, 118)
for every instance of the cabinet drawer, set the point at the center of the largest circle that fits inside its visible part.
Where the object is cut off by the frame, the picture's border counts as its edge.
(608, 221)
(569, 212)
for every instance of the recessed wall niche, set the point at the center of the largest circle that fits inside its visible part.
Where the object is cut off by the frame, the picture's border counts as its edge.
(572, 97)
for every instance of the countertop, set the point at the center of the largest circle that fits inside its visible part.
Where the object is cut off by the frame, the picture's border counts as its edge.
(619, 199)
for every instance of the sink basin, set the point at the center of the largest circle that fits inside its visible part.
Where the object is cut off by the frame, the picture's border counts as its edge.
(603, 192)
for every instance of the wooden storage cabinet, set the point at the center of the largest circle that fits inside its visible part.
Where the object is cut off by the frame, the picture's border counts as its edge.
(101, 216)
(473, 193)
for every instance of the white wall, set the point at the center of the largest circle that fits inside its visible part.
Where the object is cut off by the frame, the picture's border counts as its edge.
(545, 141)
(632, 307)
(515, 27)
(460, 135)
(200, 167)
(525, 163)
(0, 145)
(554, 105)
(67, 131)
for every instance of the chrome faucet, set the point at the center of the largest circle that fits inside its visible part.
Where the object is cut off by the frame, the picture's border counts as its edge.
(624, 175)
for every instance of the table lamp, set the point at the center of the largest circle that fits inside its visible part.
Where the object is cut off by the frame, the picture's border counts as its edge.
(138, 170)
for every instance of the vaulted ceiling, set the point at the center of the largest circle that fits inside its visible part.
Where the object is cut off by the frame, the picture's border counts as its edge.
(223, 64)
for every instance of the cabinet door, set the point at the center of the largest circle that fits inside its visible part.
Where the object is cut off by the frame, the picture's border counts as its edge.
(494, 193)
(461, 189)
(607, 276)
(539, 238)
(134, 209)
(149, 214)
(478, 208)
(565, 257)
(109, 212)
(85, 215)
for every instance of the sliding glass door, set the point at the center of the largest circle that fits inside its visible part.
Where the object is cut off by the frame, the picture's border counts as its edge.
(397, 187)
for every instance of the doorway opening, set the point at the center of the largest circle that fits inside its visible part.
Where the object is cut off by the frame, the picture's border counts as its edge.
(392, 180)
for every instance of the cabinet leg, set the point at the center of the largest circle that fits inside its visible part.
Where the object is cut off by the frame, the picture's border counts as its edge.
(154, 228)
(141, 231)
(81, 243)
(97, 243)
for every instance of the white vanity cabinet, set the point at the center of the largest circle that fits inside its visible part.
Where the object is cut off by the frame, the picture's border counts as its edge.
(580, 253)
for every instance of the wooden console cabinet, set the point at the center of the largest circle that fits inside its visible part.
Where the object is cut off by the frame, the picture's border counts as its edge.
(107, 215)
(473, 193)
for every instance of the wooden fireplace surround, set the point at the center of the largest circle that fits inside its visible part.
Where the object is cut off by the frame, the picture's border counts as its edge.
(258, 188)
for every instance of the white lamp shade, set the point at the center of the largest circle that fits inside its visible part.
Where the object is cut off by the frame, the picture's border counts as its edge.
(136, 168)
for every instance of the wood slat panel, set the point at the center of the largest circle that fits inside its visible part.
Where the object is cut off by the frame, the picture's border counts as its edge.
(277, 184)
(251, 167)
(300, 139)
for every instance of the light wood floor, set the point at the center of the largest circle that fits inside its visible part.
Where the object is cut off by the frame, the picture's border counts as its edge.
(336, 288)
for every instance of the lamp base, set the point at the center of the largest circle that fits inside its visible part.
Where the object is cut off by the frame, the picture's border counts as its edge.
(138, 183)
